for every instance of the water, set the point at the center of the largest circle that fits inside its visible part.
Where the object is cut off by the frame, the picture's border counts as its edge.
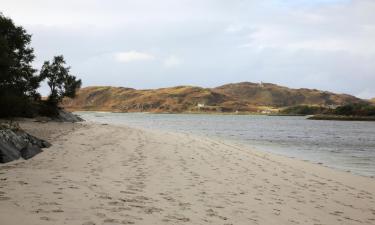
(344, 145)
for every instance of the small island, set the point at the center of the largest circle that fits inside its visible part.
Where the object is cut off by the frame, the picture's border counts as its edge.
(349, 112)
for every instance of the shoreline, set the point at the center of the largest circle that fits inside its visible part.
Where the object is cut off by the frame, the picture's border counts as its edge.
(267, 146)
(342, 118)
(180, 113)
(246, 148)
(262, 149)
(106, 174)
(327, 117)
(249, 147)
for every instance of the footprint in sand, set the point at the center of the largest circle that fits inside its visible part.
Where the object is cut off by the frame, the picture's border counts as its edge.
(89, 223)
(3, 198)
(45, 218)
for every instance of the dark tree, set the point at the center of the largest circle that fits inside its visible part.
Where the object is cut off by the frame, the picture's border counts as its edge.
(18, 83)
(61, 82)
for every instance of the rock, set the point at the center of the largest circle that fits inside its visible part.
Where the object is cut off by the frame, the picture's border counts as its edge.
(10, 125)
(12, 138)
(30, 139)
(42, 119)
(65, 116)
(8, 152)
(30, 151)
(46, 144)
(17, 143)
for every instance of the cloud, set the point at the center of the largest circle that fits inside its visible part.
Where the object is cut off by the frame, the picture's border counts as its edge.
(367, 94)
(323, 44)
(132, 56)
(172, 61)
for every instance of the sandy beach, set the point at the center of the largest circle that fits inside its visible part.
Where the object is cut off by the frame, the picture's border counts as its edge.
(104, 174)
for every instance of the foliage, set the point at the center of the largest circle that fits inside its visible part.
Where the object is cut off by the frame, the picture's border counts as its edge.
(16, 57)
(363, 109)
(18, 80)
(12, 105)
(355, 109)
(303, 110)
(61, 82)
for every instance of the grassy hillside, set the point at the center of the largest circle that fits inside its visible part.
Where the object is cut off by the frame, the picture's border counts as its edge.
(176, 99)
(279, 96)
(241, 97)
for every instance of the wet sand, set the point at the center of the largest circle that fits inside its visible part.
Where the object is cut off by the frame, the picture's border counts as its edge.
(104, 174)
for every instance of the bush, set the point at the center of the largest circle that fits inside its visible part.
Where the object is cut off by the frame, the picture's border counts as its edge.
(19, 83)
(48, 109)
(303, 110)
(16, 106)
(360, 109)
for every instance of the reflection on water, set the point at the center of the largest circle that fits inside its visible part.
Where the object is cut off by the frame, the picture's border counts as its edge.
(344, 145)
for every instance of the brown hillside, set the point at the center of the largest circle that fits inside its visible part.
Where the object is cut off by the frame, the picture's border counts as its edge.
(243, 97)
(176, 99)
(279, 96)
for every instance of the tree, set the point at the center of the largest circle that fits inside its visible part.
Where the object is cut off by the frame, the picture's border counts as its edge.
(18, 82)
(16, 57)
(60, 81)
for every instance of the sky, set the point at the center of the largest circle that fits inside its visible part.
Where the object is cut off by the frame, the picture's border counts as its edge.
(322, 44)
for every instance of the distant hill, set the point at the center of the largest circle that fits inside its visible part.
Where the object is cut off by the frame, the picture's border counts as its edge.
(372, 100)
(241, 97)
(279, 96)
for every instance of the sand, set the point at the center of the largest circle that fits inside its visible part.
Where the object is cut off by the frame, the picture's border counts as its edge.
(104, 174)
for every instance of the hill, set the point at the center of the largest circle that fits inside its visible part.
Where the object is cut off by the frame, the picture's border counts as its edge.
(241, 97)
(279, 96)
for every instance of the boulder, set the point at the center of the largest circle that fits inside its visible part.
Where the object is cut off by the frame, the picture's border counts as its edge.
(11, 137)
(45, 144)
(17, 143)
(8, 152)
(33, 140)
(65, 116)
(30, 151)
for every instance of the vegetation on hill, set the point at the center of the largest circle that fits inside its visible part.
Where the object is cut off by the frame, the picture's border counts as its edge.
(279, 96)
(359, 109)
(182, 98)
(240, 97)
(350, 112)
(18, 79)
(353, 110)
(303, 110)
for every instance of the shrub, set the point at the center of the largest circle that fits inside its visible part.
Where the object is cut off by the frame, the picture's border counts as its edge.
(303, 110)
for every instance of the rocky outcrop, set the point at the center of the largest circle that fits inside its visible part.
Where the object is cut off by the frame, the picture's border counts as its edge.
(8, 152)
(65, 116)
(30, 151)
(16, 143)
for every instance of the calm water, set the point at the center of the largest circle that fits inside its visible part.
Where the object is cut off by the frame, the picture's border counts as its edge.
(338, 144)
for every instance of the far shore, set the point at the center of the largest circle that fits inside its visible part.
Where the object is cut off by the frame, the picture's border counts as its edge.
(310, 117)
(104, 174)
(342, 118)
(184, 112)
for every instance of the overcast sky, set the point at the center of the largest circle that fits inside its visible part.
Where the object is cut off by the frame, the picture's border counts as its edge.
(323, 44)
